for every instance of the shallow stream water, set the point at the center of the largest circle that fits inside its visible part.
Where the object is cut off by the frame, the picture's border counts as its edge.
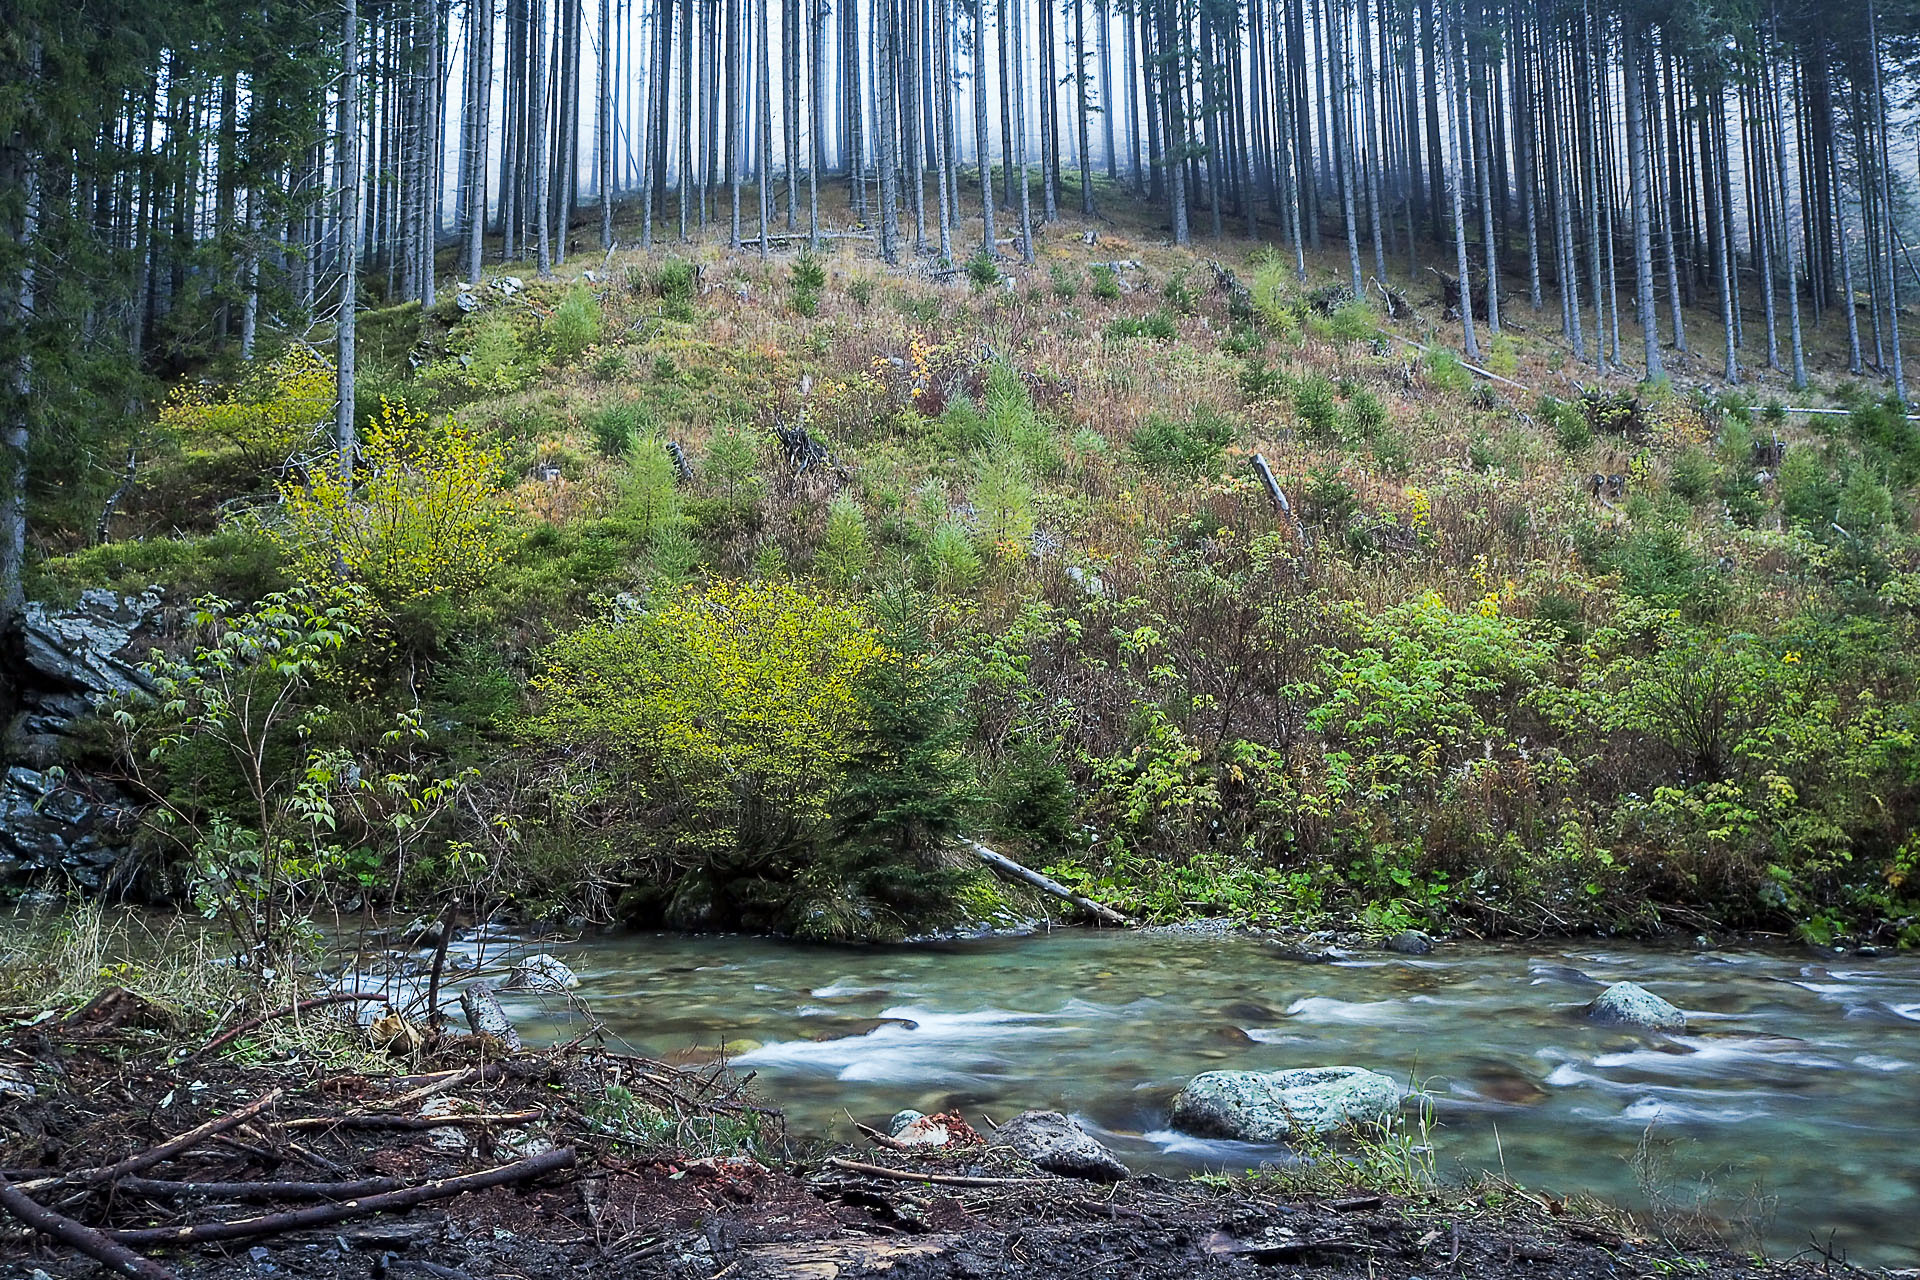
(1790, 1108)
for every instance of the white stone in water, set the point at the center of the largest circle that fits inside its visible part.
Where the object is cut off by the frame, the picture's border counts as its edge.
(1628, 1004)
(1273, 1106)
(541, 973)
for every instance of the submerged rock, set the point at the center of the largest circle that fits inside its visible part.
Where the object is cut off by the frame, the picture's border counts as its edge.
(1410, 942)
(541, 973)
(1628, 1004)
(1272, 1106)
(1058, 1144)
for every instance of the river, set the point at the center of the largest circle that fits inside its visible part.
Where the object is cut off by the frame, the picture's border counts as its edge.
(1790, 1108)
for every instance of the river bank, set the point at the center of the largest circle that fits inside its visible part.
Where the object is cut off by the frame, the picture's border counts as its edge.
(612, 1165)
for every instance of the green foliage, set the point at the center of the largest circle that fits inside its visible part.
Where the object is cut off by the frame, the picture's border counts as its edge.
(951, 560)
(1179, 295)
(1366, 416)
(720, 725)
(1192, 447)
(1003, 503)
(845, 552)
(1330, 501)
(489, 353)
(650, 488)
(906, 794)
(1156, 326)
(983, 271)
(1319, 412)
(616, 427)
(1503, 357)
(1106, 283)
(676, 282)
(1445, 372)
(809, 279)
(576, 323)
(1693, 475)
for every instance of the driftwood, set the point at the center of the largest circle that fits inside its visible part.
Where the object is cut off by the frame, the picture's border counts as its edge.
(1007, 866)
(449, 1121)
(485, 1015)
(271, 1224)
(161, 1189)
(154, 1155)
(938, 1179)
(227, 1037)
(112, 1255)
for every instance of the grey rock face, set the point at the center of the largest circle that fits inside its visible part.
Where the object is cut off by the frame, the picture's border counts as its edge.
(1273, 1106)
(64, 663)
(1628, 1004)
(1058, 1145)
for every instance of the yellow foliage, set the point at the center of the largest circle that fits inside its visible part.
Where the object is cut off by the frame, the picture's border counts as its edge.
(268, 417)
(735, 693)
(423, 519)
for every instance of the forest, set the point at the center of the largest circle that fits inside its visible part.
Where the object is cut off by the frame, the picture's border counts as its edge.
(1431, 464)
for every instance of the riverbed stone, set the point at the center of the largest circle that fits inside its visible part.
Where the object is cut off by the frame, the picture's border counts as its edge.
(1628, 1004)
(1410, 942)
(541, 972)
(1058, 1144)
(1273, 1106)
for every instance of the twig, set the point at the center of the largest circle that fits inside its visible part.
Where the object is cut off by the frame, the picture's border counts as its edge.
(114, 1256)
(154, 1155)
(454, 1081)
(369, 1121)
(880, 1139)
(275, 1223)
(162, 1189)
(939, 1179)
(299, 1006)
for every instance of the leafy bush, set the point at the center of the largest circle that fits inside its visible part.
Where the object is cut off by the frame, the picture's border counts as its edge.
(1693, 475)
(274, 411)
(1156, 325)
(845, 551)
(1366, 416)
(617, 426)
(1106, 283)
(1066, 282)
(1445, 371)
(720, 724)
(424, 521)
(952, 562)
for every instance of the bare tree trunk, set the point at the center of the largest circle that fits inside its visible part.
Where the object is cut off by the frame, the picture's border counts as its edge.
(19, 171)
(1637, 181)
(1886, 205)
(480, 53)
(1469, 341)
(980, 123)
(349, 232)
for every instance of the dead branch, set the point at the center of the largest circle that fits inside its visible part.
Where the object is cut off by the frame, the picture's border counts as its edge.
(161, 1189)
(939, 1179)
(299, 1006)
(270, 1224)
(880, 1139)
(154, 1155)
(1007, 866)
(114, 1256)
(372, 1121)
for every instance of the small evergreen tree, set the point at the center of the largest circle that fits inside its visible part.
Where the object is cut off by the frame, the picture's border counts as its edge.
(908, 790)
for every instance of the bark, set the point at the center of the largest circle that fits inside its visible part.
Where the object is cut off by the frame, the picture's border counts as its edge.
(1637, 180)
(348, 229)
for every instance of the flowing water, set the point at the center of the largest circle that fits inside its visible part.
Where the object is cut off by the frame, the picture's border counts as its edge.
(1791, 1106)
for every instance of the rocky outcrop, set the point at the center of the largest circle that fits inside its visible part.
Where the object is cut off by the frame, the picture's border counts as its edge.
(59, 665)
(1058, 1144)
(1273, 1106)
(1628, 1004)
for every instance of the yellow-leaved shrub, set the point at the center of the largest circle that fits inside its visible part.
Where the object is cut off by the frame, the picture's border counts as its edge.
(281, 407)
(422, 517)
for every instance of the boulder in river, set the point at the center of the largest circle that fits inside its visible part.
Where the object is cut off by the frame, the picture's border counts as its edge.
(1058, 1144)
(1628, 1004)
(1272, 1106)
(1410, 942)
(541, 972)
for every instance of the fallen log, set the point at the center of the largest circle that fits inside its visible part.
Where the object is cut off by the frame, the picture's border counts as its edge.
(938, 1179)
(451, 1120)
(1007, 866)
(154, 1155)
(161, 1189)
(112, 1255)
(299, 1006)
(270, 1224)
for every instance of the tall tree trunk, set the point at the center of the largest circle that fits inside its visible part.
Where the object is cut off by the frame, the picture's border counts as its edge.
(1468, 340)
(1884, 124)
(1637, 182)
(349, 227)
(980, 124)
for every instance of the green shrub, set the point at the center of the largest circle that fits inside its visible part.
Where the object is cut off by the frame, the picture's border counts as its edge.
(1808, 494)
(952, 562)
(576, 323)
(1503, 357)
(676, 282)
(1329, 499)
(1066, 281)
(860, 290)
(617, 426)
(1180, 295)
(809, 278)
(1003, 502)
(1155, 325)
(1106, 283)
(1445, 371)
(1693, 475)
(845, 552)
(1366, 416)
(983, 271)
(1319, 412)
(1192, 447)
